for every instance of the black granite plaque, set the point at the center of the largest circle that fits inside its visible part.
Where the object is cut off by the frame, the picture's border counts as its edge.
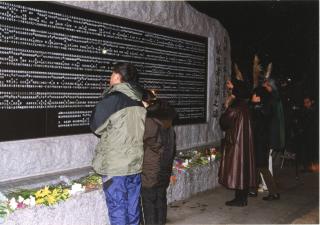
(55, 60)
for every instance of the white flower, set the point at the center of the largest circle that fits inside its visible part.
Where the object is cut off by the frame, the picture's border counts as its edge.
(3, 198)
(76, 189)
(185, 163)
(32, 201)
(13, 203)
(20, 199)
(26, 201)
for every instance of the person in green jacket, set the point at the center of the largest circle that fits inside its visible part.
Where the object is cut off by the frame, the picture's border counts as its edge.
(119, 121)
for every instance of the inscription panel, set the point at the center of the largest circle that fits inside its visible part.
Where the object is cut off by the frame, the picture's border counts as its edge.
(55, 60)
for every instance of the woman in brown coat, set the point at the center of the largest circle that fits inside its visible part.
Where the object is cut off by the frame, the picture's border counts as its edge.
(237, 167)
(159, 152)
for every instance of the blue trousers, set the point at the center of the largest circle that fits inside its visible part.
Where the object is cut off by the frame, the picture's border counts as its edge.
(123, 199)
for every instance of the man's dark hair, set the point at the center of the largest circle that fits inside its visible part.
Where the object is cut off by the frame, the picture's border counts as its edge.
(127, 71)
(310, 97)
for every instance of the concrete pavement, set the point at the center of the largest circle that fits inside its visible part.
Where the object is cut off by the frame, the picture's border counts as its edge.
(299, 204)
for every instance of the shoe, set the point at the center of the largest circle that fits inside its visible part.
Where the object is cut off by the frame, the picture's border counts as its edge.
(260, 189)
(271, 197)
(252, 194)
(237, 202)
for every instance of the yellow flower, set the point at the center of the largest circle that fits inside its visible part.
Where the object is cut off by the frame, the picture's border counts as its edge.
(51, 199)
(55, 193)
(38, 194)
(39, 201)
(65, 194)
(42, 192)
(46, 191)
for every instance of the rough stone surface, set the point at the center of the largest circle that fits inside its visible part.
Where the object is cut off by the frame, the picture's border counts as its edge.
(50, 155)
(36, 157)
(90, 208)
(198, 179)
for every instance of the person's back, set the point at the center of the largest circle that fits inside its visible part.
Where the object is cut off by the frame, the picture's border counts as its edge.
(262, 115)
(237, 166)
(238, 144)
(159, 152)
(118, 119)
(168, 139)
(277, 126)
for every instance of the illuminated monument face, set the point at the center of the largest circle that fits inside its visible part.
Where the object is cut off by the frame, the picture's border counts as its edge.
(54, 61)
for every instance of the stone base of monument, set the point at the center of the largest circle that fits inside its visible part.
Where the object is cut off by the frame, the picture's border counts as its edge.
(48, 179)
(90, 209)
(195, 180)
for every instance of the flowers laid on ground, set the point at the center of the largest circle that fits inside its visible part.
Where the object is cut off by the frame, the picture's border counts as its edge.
(49, 195)
(186, 160)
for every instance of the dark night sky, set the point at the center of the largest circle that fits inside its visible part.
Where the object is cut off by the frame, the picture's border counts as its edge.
(284, 32)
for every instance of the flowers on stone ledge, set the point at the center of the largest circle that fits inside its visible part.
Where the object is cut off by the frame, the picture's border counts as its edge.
(4, 207)
(48, 196)
(186, 160)
(51, 195)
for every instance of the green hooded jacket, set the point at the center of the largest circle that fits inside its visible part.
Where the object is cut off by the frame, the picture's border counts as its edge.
(118, 119)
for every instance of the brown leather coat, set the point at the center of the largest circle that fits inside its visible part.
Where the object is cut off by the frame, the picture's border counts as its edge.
(237, 166)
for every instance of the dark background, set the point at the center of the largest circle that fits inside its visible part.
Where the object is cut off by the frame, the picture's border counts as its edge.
(284, 32)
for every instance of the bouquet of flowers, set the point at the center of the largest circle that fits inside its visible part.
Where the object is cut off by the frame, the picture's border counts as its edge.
(193, 158)
(49, 195)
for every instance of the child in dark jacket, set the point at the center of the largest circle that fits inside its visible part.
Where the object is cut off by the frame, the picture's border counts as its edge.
(159, 152)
